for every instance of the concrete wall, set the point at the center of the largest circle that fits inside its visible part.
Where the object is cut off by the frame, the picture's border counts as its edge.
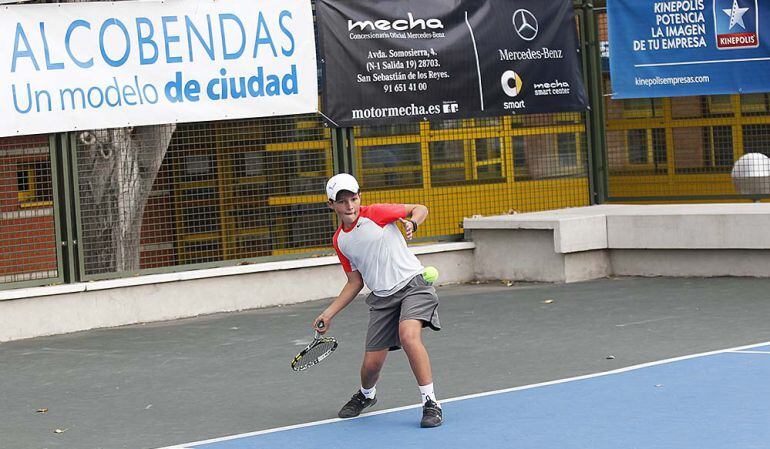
(34, 312)
(691, 263)
(528, 255)
(577, 244)
(566, 245)
(503, 254)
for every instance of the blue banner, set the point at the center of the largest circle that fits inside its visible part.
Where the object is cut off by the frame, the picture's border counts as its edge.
(688, 47)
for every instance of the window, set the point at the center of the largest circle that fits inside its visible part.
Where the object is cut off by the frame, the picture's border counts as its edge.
(447, 162)
(637, 146)
(520, 168)
(447, 124)
(249, 164)
(756, 139)
(703, 149)
(198, 167)
(643, 143)
(659, 147)
(754, 104)
(643, 108)
(567, 146)
(34, 184)
(454, 162)
(387, 130)
(489, 162)
(718, 151)
(24, 182)
(717, 105)
(391, 166)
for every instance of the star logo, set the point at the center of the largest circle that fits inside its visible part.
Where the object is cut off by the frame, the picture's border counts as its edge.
(736, 15)
(736, 23)
(525, 24)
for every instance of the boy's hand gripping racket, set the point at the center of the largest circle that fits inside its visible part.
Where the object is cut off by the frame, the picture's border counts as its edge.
(320, 348)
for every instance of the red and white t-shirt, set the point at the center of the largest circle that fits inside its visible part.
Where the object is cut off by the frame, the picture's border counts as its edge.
(375, 248)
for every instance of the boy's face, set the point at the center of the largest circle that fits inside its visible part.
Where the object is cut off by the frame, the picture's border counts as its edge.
(347, 206)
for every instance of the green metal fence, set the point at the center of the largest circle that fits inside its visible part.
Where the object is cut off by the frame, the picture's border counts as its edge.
(224, 192)
(681, 148)
(30, 253)
(111, 203)
(176, 197)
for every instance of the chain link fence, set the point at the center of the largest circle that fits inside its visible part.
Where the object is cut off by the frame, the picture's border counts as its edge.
(27, 224)
(241, 190)
(191, 195)
(684, 148)
(225, 191)
(461, 168)
(181, 196)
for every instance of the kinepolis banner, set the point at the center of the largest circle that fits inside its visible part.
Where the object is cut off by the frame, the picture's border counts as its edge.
(404, 60)
(688, 47)
(101, 65)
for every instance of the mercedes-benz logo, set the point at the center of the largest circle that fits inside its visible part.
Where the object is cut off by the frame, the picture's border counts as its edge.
(525, 24)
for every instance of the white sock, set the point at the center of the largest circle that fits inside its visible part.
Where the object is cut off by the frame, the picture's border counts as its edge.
(370, 392)
(426, 391)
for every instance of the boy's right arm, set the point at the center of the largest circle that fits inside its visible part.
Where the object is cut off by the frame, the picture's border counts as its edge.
(349, 292)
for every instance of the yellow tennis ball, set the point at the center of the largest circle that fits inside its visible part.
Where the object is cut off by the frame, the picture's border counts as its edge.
(430, 274)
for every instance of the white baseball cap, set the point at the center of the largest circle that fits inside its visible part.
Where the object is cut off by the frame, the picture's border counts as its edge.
(340, 182)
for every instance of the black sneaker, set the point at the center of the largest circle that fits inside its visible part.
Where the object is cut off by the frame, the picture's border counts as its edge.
(431, 414)
(355, 405)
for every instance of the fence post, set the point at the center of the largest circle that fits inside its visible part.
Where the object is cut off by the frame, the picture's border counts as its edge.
(66, 207)
(595, 132)
(342, 146)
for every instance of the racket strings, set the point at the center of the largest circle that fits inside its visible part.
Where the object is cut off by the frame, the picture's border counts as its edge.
(316, 353)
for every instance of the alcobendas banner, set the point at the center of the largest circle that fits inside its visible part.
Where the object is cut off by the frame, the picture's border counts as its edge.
(101, 65)
(391, 61)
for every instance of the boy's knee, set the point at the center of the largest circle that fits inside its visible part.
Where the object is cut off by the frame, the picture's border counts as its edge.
(409, 336)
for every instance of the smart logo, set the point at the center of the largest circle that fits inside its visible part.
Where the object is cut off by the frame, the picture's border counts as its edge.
(736, 23)
(511, 82)
(512, 85)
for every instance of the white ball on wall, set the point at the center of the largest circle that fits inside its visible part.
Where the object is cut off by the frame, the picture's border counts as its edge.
(751, 174)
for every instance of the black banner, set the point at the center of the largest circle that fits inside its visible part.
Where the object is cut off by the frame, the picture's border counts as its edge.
(387, 61)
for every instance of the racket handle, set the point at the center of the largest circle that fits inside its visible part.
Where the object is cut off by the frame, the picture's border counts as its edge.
(319, 325)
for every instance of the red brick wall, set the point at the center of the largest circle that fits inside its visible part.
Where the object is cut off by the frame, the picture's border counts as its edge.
(27, 234)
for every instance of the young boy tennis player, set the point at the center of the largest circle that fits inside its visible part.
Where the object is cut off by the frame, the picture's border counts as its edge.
(372, 250)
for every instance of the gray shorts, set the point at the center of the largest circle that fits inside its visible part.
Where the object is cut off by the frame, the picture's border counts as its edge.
(416, 301)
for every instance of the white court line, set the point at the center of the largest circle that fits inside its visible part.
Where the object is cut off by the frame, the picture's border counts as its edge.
(751, 352)
(478, 395)
(650, 320)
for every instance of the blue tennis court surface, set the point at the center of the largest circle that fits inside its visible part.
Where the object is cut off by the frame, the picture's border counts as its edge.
(705, 401)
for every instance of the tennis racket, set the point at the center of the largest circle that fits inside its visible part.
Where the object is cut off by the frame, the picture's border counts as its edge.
(320, 348)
